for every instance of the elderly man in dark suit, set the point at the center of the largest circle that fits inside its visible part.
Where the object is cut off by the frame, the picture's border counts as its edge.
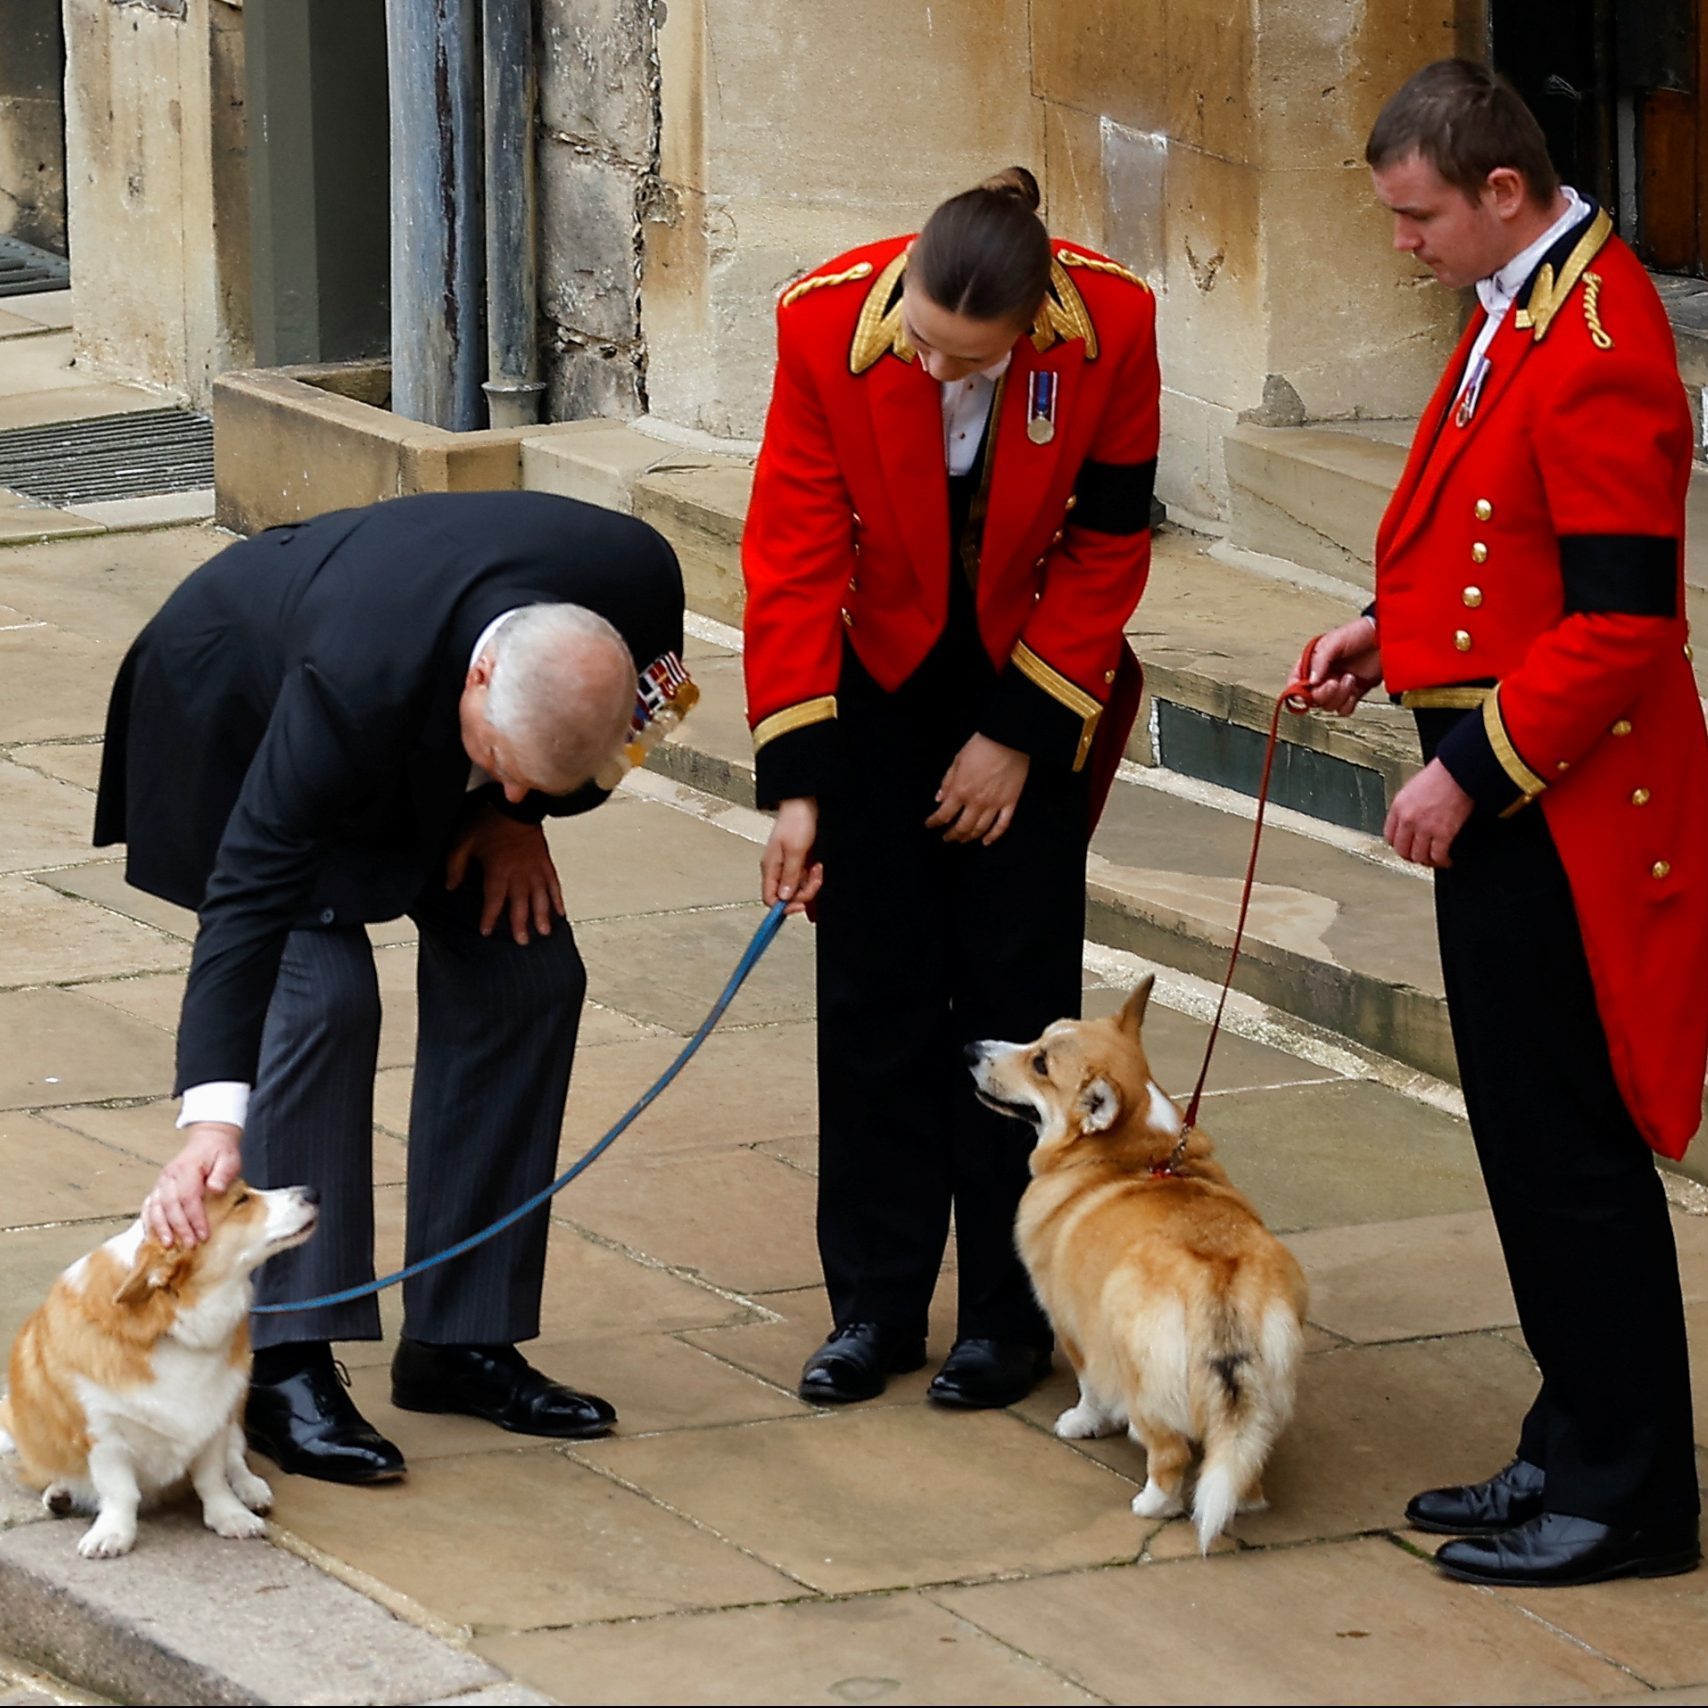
(336, 724)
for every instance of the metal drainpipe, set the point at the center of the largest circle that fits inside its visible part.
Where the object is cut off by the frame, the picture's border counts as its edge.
(514, 390)
(437, 232)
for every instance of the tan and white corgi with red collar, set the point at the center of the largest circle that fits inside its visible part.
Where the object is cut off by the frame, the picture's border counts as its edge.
(1181, 1314)
(131, 1375)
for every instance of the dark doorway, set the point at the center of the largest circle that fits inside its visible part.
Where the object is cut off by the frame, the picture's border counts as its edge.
(1617, 87)
(32, 123)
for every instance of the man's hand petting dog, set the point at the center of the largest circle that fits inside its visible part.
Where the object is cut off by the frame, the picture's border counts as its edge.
(787, 870)
(980, 791)
(208, 1163)
(516, 868)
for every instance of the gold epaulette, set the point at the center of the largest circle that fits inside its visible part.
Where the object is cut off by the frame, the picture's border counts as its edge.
(1096, 264)
(1548, 295)
(817, 281)
(879, 331)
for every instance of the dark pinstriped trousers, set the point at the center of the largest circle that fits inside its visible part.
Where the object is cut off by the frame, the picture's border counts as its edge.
(497, 1033)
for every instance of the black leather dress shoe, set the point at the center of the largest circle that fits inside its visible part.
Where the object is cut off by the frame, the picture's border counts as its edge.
(980, 1374)
(1554, 1550)
(1510, 1497)
(856, 1362)
(308, 1425)
(498, 1384)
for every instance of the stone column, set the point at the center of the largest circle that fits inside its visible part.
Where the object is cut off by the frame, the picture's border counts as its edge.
(157, 189)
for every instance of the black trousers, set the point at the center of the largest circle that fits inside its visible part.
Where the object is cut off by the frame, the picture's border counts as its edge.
(924, 946)
(1580, 1210)
(497, 1031)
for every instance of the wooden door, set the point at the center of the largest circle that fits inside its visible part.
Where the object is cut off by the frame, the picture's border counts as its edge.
(1663, 49)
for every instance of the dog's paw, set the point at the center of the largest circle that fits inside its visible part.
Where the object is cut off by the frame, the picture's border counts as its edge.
(1154, 1502)
(1260, 1504)
(1083, 1423)
(253, 1491)
(235, 1521)
(106, 1539)
(59, 1500)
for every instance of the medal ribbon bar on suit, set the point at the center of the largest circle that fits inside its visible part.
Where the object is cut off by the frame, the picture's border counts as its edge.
(1041, 407)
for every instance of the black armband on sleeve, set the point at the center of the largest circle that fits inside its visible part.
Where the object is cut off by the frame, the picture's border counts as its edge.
(1632, 575)
(1114, 498)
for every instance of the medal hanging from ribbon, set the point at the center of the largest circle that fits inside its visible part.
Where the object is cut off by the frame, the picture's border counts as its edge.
(1042, 387)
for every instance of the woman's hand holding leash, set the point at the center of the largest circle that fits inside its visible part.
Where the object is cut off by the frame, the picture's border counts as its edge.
(787, 869)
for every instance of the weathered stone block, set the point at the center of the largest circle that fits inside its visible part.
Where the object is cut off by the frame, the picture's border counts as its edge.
(587, 243)
(1211, 77)
(1072, 177)
(587, 380)
(597, 74)
(1104, 57)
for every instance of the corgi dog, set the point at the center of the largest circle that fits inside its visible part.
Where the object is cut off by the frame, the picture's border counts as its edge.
(131, 1376)
(1182, 1315)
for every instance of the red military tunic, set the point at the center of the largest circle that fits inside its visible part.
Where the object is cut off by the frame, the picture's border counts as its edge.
(848, 531)
(1531, 564)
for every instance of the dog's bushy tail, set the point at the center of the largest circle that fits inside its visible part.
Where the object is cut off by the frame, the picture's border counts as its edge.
(1245, 1398)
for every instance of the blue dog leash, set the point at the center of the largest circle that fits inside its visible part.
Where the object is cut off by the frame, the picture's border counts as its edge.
(762, 940)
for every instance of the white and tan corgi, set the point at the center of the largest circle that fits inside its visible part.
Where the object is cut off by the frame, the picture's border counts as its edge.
(1181, 1314)
(131, 1376)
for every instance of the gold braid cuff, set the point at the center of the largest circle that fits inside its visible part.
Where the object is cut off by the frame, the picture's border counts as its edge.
(1511, 761)
(807, 712)
(1064, 692)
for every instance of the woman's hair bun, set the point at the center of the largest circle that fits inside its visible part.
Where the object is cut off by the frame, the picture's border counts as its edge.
(1017, 182)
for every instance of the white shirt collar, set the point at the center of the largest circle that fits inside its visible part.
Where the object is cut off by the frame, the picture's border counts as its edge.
(1497, 292)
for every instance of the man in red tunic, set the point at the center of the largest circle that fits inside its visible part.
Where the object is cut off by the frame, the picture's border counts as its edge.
(1530, 609)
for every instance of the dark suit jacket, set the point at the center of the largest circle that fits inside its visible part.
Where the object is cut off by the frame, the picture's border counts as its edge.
(283, 746)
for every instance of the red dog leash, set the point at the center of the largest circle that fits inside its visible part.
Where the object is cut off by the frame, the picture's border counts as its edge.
(1295, 697)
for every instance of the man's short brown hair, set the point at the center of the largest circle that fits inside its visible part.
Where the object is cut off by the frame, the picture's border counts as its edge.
(1466, 122)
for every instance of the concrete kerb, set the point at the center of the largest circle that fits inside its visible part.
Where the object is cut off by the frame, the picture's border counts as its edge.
(189, 1619)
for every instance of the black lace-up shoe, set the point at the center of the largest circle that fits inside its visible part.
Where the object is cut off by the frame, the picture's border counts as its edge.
(498, 1384)
(307, 1424)
(856, 1363)
(1555, 1550)
(1510, 1497)
(982, 1374)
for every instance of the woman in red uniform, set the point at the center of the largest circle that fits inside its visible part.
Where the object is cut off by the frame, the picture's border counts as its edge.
(949, 529)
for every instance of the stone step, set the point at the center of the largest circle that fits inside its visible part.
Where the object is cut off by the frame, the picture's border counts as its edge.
(1315, 496)
(1341, 933)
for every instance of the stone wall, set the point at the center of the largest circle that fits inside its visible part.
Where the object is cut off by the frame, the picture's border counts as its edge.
(155, 153)
(1213, 145)
(32, 124)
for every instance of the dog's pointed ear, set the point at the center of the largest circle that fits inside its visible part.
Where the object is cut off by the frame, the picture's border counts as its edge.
(153, 1269)
(1099, 1106)
(1132, 1016)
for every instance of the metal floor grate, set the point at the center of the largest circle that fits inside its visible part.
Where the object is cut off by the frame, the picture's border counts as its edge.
(25, 268)
(115, 456)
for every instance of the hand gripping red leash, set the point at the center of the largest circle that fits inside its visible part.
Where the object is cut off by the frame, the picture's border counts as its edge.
(1295, 697)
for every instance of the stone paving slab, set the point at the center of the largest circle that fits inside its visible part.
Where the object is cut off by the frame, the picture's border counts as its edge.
(48, 822)
(1360, 1621)
(52, 1175)
(1400, 1280)
(886, 1648)
(877, 1497)
(74, 761)
(62, 1047)
(648, 966)
(45, 936)
(185, 1619)
(556, 1543)
(53, 682)
(103, 882)
(657, 1382)
(1329, 1154)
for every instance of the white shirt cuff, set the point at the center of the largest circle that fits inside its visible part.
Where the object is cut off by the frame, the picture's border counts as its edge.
(216, 1100)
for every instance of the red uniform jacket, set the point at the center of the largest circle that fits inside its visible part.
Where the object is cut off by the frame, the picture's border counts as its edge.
(848, 531)
(1531, 564)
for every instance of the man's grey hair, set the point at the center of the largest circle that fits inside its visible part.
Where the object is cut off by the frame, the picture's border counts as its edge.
(562, 693)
